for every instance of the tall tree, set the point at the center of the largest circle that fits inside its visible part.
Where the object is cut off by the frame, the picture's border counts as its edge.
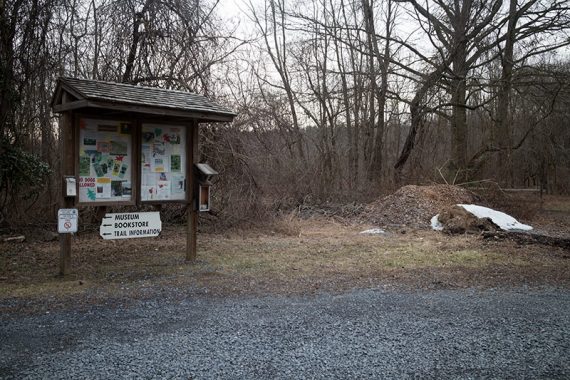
(535, 28)
(271, 25)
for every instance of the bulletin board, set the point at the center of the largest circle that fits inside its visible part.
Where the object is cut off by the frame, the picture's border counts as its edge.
(163, 162)
(105, 161)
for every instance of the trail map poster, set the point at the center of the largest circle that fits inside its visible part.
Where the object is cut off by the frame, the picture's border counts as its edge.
(163, 162)
(105, 161)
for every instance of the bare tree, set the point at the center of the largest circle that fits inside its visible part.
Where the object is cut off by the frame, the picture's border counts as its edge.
(536, 25)
(273, 31)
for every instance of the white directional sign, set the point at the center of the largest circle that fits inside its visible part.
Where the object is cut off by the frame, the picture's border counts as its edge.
(67, 220)
(130, 225)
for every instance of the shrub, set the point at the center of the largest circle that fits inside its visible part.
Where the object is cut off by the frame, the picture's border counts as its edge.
(22, 177)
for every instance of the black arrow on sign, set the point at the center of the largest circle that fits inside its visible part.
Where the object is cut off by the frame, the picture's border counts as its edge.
(107, 225)
(108, 233)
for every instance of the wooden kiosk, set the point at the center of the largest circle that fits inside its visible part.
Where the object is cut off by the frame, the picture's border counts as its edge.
(130, 145)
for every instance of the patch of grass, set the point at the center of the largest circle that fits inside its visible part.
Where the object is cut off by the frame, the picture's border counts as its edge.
(322, 253)
(269, 256)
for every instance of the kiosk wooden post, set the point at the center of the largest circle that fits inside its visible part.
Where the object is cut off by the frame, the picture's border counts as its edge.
(194, 157)
(67, 168)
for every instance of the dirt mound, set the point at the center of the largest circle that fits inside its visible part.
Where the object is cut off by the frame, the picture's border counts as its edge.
(414, 206)
(457, 220)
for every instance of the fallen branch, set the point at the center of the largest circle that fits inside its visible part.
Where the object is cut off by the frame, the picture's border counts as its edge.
(15, 239)
(529, 238)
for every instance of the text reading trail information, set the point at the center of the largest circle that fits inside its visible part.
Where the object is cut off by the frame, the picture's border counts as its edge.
(130, 225)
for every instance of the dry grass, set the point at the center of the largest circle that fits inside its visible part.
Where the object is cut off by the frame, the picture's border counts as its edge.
(556, 203)
(288, 225)
(317, 255)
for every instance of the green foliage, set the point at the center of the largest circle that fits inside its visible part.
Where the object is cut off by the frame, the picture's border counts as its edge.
(22, 174)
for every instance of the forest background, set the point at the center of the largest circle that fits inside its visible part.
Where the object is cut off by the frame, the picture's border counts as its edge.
(338, 101)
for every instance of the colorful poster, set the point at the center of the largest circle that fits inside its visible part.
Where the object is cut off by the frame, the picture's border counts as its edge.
(157, 165)
(123, 170)
(103, 146)
(116, 168)
(116, 188)
(119, 148)
(175, 163)
(101, 169)
(84, 166)
(159, 158)
(103, 188)
(110, 163)
(96, 156)
(171, 137)
(158, 149)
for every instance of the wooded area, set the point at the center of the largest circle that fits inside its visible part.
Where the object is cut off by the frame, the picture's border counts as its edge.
(337, 100)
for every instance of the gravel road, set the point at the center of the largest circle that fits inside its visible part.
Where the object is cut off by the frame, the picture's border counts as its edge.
(362, 334)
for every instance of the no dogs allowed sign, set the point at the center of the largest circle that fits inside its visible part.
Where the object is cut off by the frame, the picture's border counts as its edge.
(67, 220)
(130, 225)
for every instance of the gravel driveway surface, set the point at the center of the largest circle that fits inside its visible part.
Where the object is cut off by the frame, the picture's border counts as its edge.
(362, 334)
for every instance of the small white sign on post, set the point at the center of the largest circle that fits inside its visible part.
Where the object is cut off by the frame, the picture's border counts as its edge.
(130, 225)
(67, 220)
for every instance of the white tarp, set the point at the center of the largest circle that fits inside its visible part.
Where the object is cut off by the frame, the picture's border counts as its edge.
(504, 221)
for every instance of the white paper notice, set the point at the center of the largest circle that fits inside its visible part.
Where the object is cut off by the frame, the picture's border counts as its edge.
(146, 156)
(163, 189)
(178, 184)
(148, 193)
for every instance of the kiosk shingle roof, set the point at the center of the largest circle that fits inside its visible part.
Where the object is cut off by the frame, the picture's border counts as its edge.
(140, 96)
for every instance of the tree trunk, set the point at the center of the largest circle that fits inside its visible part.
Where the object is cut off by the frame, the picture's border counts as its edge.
(137, 22)
(458, 166)
(503, 139)
(416, 122)
(7, 86)
(375, 168)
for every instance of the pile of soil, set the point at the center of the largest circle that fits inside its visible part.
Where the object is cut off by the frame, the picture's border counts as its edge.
(414, 205)
(457, 220)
